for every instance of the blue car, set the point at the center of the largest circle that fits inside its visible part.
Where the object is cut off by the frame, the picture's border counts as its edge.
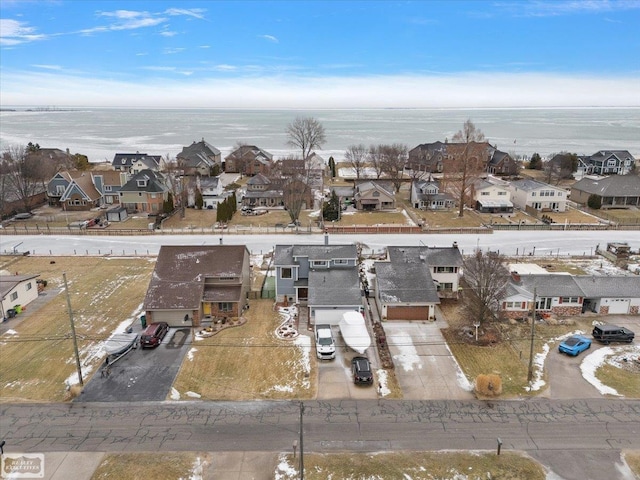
(574, 345)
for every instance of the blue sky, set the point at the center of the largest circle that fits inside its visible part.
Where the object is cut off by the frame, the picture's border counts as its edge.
(332, 54)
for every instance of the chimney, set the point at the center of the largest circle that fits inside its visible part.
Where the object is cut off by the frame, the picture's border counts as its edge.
(515, 276)
(326, 238)
(220, 240)
(455, 244)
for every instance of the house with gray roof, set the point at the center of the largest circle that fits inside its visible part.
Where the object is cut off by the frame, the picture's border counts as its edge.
(491, 196)
(16, 290)
(144, 192)
(608, 162)
(248, 160)
(411, 283)
(613, 191)
(372, 195)
(192, 283)
(534, 195)
(568, 295)
(608, 295)
(502, 164)
(124, 161)
(322, 278)
(426, 195)
(199, 158)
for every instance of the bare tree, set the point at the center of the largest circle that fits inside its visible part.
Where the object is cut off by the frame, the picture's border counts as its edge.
(356, 155)
(25, 175)
(487, 278)
(375, 158)
(177, 182)
(394, 158)
(306, 133)
(468, 160)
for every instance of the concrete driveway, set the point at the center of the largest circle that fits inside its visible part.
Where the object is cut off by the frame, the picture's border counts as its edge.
(334, 376)
(424, 366)
(143, 374)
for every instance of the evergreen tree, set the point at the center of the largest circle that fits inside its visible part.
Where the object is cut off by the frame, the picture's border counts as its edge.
(331, 209)
(594, 201)
(536, 162)
(332, 167)
(199, 199)
(167, 206)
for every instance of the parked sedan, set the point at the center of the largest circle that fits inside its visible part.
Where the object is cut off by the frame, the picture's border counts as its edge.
(575, 345)
(361, 370)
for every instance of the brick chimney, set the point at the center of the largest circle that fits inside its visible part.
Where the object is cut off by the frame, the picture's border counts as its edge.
(515, 276)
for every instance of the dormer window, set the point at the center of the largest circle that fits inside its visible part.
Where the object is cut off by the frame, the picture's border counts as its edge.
(124, 161)
(142, 182)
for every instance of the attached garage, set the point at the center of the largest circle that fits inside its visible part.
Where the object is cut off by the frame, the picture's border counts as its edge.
(175, 318)
(408, 313)
(330, 315)
(618, 306)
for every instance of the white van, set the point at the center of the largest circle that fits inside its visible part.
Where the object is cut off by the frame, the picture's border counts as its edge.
(325, 345)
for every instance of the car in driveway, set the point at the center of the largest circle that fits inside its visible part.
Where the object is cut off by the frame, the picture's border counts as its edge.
(154, 333)
(574, 345)
(612, 333)
(361, 371)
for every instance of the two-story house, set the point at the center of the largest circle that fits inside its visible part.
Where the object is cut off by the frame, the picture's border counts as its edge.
(211, 189)
(425, 195)
(144, 192)
(75, 190)
(199, 158)
(263, 192)
(194, 283)
(502, 164)
(537, 196)
(322, 278)
(608, 162)
(414, 279)
(124, 161)
(437, 157)
(248, 160)
(491, 196)
(372, 195)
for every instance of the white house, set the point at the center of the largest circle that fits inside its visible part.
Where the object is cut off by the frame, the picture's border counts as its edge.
(492, 197)
(538, 196)
(17, 290)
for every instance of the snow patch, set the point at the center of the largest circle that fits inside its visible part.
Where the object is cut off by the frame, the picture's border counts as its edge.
(175, 394)
(190, 353)
(408, 356)
(192, 394)
(383, 389)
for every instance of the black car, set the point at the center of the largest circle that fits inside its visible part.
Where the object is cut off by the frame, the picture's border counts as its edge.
(612, 333)
(361, 370)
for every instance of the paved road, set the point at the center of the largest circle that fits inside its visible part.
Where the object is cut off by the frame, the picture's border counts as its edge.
(593, 431)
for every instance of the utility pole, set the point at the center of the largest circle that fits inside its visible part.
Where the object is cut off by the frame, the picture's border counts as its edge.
(301, 445)
(73, 329)
(533, 331)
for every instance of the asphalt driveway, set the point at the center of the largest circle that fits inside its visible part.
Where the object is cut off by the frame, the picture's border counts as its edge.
(142, 374)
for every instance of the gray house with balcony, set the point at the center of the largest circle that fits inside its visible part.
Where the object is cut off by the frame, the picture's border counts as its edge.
(322, 278)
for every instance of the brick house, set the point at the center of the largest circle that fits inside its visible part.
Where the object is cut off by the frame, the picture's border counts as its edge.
(194, 283)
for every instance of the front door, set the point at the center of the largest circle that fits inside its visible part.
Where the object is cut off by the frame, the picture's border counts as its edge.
(206, 308)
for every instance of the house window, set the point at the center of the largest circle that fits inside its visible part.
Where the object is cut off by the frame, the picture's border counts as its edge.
(341, 262)
(29, 286)
(285, 273)
(141, 183)
(14, 296)
(444, 269)
(319, 263)
(107, 188)
(484, 194)
(533, 194)
(60, 189)
(502, 193)
(227, 278)
(376, 194)
(139, 194)
(447, 287)
(225, 306)
(569, 300)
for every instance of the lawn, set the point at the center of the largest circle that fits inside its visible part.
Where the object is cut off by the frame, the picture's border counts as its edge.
(392, 217)
(38, 358)
(414, 465)
(167, 466)
(249, 362)
(621, 371)
(633, 460)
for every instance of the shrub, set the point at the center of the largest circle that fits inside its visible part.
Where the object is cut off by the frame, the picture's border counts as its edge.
(489, 385)
(594, 201)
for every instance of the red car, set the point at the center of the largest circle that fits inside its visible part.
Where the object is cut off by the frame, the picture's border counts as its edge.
(153, 334)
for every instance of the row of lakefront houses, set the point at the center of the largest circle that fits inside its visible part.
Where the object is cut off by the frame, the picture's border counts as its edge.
(139, 182)
(196, 283)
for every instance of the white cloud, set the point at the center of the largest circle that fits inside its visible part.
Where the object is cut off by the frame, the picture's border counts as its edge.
(471, 90)
(271, 38)
(47, 67)
(172, 51)
(556, 8)
(127, 20)
(168, 33)
(13, 32)
(190, 12)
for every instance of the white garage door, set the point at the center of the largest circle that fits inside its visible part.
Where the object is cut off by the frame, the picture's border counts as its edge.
(175, 318)
(331, 316)
(619, 306)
